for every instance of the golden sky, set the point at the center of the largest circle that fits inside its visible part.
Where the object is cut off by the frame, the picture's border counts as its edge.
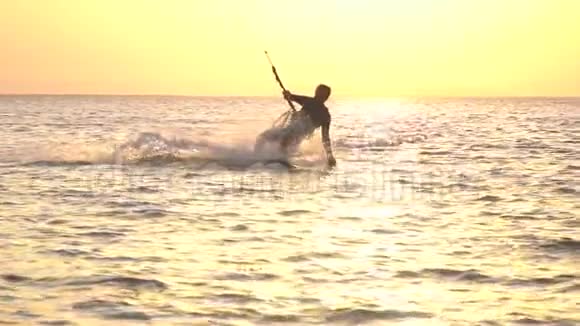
(359, 47)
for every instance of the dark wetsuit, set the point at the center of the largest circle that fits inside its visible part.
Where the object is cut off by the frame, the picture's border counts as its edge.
(318, 114)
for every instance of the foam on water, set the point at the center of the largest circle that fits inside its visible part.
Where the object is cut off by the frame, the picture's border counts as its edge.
(159, 147)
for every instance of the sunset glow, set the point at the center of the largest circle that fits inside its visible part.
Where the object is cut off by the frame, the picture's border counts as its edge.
(361, 48)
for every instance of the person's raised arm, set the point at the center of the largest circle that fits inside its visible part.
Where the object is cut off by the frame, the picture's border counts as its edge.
(296, 98)
(327, 145)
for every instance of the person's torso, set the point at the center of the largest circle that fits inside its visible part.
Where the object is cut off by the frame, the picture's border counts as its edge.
(317, 112)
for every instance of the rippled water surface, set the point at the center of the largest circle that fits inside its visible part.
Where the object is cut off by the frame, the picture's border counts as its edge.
(155, 210)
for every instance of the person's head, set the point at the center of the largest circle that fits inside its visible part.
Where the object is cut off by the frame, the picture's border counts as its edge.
(322, 93)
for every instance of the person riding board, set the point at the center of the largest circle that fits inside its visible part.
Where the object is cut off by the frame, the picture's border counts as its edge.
(313, 115)
(317, 116)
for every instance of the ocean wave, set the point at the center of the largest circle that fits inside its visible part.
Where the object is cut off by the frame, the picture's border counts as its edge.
(236, 298)
(315, 255)
(563, 245)
(490, 198)
(478, 277)
(239, 227)
(520, 217)
(570, 288)
(47, 163)
(470, 275)
(235, 276)
(198, 163)
(151, 212)
(359, 316)
(127, 315)
(224, 314)
(524, 319)
(14, 278)
(543, 281)
(55, 322)
(385, 231)
(279, 318)
(102, 234)
(566, 190)
(294, 212)
(121, 310)
(436, 153)
(378, 143)
(120, 281)
(99, 304)
(127, 259)
(68, 252)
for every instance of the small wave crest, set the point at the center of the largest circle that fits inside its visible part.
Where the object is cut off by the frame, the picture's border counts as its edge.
(470, 275)
(562, 245)
(126, 282)
(375, 143)
(359, 316)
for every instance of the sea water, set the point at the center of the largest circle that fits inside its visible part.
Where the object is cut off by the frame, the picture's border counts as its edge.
(155, 210)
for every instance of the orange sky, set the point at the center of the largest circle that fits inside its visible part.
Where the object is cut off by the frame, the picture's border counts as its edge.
(360, 48)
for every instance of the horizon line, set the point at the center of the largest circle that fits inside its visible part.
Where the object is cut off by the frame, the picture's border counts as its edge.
(275, 96)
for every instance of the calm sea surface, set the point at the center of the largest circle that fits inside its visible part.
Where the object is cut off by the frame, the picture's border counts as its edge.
(155, 211)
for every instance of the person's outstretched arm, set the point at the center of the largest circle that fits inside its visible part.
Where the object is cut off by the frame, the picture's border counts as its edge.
(327, 145)
(296, 98)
